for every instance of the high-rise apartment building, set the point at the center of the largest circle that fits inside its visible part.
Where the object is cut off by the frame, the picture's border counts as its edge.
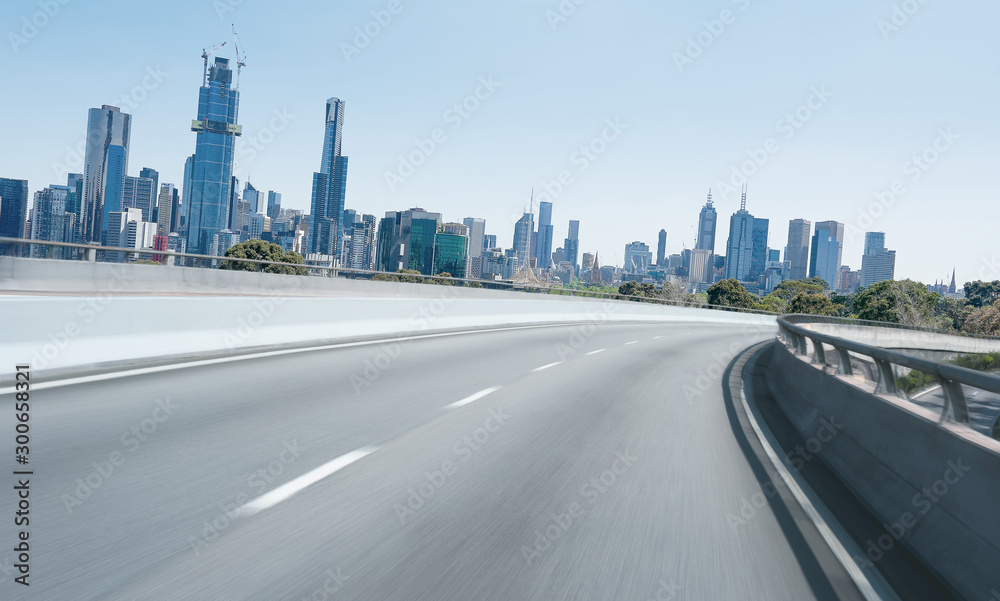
(878, 264)
(758, 255)
(797, 249)
(661, 249)
(140, 193)
(827, 251)
(329, 187)
(208, 209)
(168, 212)
(105, 166)
(48, 219)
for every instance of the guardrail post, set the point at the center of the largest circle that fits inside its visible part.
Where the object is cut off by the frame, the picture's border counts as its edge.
(955, 406)
(887, 377)
(844, 361)
(90, 255)
(171, 259)
(819, 353)
(800, 342)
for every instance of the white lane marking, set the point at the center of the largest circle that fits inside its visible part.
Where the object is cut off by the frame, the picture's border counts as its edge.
(628, 343)
(285, 491)
(600, 350)
(544, 367)
(472, 398)
(815, 510)
(141, 371)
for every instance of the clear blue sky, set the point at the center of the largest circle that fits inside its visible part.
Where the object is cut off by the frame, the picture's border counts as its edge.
(688, 125)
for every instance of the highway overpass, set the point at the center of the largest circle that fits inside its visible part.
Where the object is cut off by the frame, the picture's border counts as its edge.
(315, 438)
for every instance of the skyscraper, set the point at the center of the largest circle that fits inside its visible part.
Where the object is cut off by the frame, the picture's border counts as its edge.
(167, 217)
(797, 250)
(48, 218)
(13, 209)
(758, 255)
(329, 187)
(571, 245)
(451, 249)
(877, 264)
(477, 230)
(545, 230)
(105, 165)
(406, 241)
(523, 230)
(706, 226)
(252, 196)
(186, 196)
(152, 174)
(739, 248)
(827, 250)
(212, 168)
(140, 193)
(661, 249)
(273, 204)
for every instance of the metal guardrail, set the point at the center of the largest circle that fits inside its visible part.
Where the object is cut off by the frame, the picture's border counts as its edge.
(952, 377)
(208, 261)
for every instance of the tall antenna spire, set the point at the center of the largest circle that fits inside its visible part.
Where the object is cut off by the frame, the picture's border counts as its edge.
(743, 202)
(709, 197)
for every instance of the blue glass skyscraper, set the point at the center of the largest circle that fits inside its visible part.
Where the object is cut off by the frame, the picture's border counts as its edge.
(739, 249)
(329, 187)
(13, 209)
(212, 168)
(105, 166)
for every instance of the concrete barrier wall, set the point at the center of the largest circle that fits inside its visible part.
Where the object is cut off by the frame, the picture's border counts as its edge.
(935, 484)
(58, 332)
(903, 339)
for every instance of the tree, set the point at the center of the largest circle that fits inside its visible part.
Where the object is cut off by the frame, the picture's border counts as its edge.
(812, 304)
(773, 303)
(789, 288)
(632, 289)
(906, 302)
(984, 320)
(731, 293)
(263, 251)
(951, 313)
(818, 281)
(982, 294)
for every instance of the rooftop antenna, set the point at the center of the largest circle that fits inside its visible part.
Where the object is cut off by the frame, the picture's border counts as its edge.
(205, 54)
(743, 202)
(241, 59)
(709, 197)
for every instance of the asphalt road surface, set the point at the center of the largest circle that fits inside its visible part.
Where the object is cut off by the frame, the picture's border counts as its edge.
(537, 463)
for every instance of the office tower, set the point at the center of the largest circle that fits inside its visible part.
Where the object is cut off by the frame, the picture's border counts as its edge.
(168, 214)
(739, 249)
(186, 196)
(758, 256)
(368, 261)
(406, 240)
(13, 209)
(222, 241)
(74, 200)
(523, 230)
(255, 226)
(273, 204)
(212, 168)
(152, 174)
(572, 243)
(700, 270)
(637, 258)
(587, 262)
(48, 219)
(661, 249)
(877, 264)
(543, 250)
(706, 225)
(797, 250)
(773, 255)
(848, 281)
(329, 187)
(451, 249)
(826, 252)
(252, 197)
(139, 193)
(477, 233)
(105, 165)
(489, 241)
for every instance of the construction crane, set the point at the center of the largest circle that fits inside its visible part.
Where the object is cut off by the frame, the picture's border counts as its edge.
(241, 60)
(205, 55)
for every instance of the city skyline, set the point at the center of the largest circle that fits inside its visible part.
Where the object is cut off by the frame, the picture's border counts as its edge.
(833, 150)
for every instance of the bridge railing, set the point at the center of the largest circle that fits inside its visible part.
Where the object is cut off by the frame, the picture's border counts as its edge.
(843, 354)
(90, 253)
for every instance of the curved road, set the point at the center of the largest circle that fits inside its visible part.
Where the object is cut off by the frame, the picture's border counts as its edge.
(542, 463)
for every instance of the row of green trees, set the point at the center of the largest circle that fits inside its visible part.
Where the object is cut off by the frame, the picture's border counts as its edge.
(905, 302)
